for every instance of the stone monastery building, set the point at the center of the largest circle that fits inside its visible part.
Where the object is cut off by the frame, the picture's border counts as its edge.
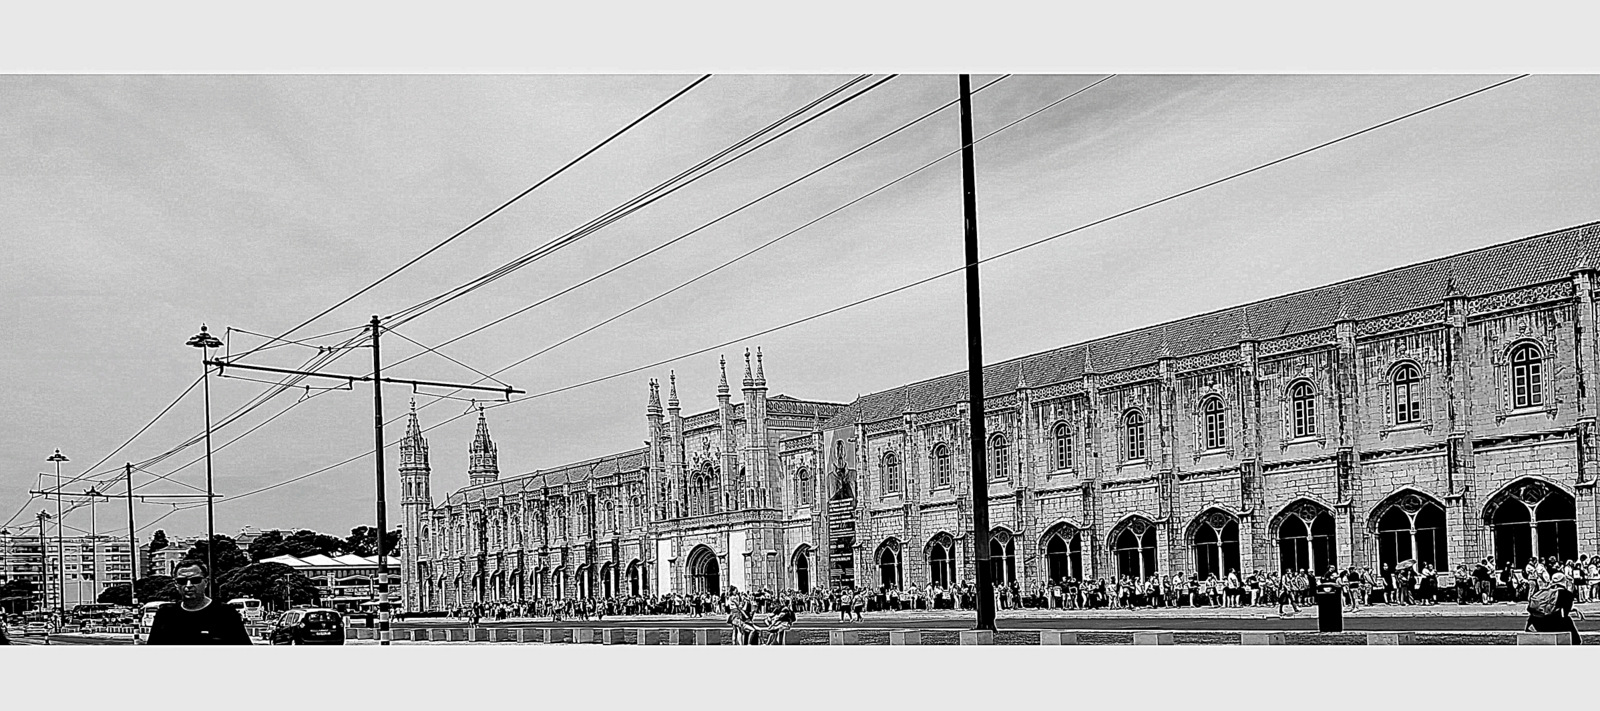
(1443, 411)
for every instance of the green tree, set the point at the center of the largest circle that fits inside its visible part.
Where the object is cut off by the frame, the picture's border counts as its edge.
(266, 545)
(158, 541)
(275, 584)
(17, 596)
(151, 589)
(307, 543)
(363, 540)
(226, 555)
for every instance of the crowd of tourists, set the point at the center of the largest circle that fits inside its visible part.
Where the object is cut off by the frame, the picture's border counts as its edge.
(1483, 582)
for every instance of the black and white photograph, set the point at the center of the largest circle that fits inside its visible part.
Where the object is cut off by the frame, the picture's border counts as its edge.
(557, 365)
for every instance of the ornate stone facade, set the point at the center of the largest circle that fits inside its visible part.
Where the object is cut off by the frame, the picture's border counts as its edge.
(1443, 411)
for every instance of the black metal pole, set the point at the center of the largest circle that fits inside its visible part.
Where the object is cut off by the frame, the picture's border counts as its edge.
(211, 519)
(44, 565)
(383, 519)
(980, 476)
(133, 543)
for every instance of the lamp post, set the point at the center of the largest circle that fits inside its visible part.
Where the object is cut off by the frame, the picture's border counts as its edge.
(61, 548)
(205, 341)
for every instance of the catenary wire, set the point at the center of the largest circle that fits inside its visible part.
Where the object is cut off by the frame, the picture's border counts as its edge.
(641, 201)
(497, 210)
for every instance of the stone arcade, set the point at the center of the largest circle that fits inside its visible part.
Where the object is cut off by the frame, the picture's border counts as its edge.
(1443, 411)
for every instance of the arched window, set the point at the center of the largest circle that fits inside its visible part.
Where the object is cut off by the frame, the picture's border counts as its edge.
(1527, 376)
(1063, 554)
(1002, 557)
(1062, 433)
(1134, 544)
(803, 486)
(1407, 389)
(1533, 519)
(941, 560)
(941, 466)
(1214, 422)
(1215, 537)
(1133, 427)
(1306, 538)
(888, 559)
(999, 457)
(1303, 410)
(889, 473)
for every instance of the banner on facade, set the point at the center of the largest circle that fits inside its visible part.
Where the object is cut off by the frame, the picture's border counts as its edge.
(736, 561)
(664, 582)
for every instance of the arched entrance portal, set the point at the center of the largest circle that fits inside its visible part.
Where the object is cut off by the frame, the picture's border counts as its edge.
(1306, 538)
(1532, 519)
(1063, 553)
(941, 560)
(704, 575)
(888, 558)
(802, 569)
(1002, 557)
(1411, 527)
(634, 587)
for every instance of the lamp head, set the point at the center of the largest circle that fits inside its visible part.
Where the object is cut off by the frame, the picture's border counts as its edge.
(204, 340)
(57, 457)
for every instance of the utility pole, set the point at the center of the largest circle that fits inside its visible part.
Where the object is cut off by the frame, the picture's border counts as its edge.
(94, 543)
(205, 341)
(383, 520)
(133, 544)
(377, 381)
(979, 447)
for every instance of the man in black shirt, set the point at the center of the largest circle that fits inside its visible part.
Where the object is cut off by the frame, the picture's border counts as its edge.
(196, 619)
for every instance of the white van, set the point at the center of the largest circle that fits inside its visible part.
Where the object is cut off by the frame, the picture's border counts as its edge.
(249, 608)
(147, 619)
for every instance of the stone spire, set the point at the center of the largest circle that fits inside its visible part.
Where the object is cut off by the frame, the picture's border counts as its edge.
(413, 448)
(672, 395)
(655, 399)
(761, 374)
(484, 466)
(722, 387)
(749, 381)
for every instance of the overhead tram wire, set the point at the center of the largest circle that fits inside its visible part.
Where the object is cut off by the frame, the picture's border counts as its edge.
(724, 216)
(919, 282)
(643, 200)
(497, 210)
(291, 382)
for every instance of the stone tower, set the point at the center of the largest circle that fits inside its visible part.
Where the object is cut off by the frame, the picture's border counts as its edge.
(485, 465)
(416, 499)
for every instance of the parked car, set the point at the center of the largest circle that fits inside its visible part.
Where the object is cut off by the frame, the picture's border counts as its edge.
(318, 625)
(36, 628)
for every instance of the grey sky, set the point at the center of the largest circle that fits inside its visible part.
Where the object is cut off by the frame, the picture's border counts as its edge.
(134, 208)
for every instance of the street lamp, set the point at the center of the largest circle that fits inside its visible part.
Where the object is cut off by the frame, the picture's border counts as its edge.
(205, 341)
(61, 548)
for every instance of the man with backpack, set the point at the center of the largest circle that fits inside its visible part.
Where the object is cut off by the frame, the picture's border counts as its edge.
(1550, 608)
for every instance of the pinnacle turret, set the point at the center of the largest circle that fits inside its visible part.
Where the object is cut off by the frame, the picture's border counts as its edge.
(672, 395)
(413, 448)
(749, 381)
(654, 408)
(722, 387)
(484, 465)
(761, 374)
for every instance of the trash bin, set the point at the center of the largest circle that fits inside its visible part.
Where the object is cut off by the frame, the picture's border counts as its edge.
(1330, 608)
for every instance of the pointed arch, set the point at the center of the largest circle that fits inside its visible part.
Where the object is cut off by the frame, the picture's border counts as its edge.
(705, 575)
(1214, 541)
(888, 560)
(1532, 517)
(1062, 548)
(1132, 543)
(940, 552)
(1409, 524)
(1306, 536)
(801, 562)
(1002, 556)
